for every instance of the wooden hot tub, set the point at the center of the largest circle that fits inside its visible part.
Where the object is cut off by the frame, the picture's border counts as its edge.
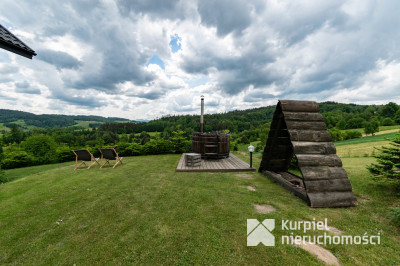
(211, 145)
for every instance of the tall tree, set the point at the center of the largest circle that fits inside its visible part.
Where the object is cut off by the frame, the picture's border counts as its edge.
(43, 147)
(16, 134)
(389, 110)
(371, 127)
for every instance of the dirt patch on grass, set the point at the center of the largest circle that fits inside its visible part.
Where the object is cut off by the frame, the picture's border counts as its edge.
(264, 208)
(334, 230)
(251, 188)
(363, 198)
(245, 176)
(322, 254)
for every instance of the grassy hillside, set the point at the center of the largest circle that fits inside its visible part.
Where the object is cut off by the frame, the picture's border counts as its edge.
(382, 130)
(85, 124)
(365, 146)
(368, 139)
(20, 123)
(28, 120)
(362, 149)
(144, 212)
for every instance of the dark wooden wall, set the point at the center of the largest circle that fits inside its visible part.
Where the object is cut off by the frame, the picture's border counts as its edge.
(211, 145)
(298, 128)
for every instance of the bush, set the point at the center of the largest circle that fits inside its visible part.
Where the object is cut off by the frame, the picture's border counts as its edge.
(388, 161)
(244, 140)
(64, 154)
(179, 142)
(95, 150)
(397, 117)
(352, 134)
(157, 146)
(235, 146)
(336, 134)
(135, 149)
(123, 149)
(129, 149)
(42, 147)
(17, 158)
(341, 124)
(388, 122)
(260, 147)
(357, 122)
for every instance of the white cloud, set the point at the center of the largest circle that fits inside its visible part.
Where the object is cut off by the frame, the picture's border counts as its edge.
(384, 75)
(92, 55)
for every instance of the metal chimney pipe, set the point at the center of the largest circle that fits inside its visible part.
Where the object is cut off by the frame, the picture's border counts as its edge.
(202, 115)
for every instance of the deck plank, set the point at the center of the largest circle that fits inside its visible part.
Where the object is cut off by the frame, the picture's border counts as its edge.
(181, 161)
(240, 163)
(231, 164)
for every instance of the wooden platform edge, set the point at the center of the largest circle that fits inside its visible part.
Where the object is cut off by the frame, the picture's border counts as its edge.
(242, 168)
(216, 170)
(281, 181)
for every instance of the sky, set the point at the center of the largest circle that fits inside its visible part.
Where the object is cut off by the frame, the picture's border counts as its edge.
(145, 59)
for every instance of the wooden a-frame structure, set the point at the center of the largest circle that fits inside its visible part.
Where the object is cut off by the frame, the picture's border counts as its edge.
(298, 129)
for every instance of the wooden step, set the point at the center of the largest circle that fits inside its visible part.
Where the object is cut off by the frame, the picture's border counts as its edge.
(211, 154)
(211, 146)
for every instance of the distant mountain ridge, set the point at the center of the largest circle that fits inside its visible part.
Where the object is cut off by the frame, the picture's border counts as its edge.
(53, 120)
(340, 115)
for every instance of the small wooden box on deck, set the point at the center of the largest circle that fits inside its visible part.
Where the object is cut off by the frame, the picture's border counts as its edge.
(193, 159)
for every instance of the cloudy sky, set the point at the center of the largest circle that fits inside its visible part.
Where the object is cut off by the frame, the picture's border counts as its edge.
(148, 58)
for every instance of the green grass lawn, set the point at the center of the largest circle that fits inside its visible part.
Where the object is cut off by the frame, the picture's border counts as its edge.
(17, 173)
(84, 124)
(24, 125)
(382, 129)
(363, 149)
(375, 138)
(21, 123)
(144, 212)
(365, 146)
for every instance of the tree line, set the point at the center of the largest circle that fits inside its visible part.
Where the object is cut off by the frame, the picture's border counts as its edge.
(39, 146)
(48, 121)
(246, 124)
(54, 144)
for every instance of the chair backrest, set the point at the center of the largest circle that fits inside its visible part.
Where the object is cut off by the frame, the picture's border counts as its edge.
(83, 155)
(108, 153)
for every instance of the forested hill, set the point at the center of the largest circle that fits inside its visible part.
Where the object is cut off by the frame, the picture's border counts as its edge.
(49, 121)
(336, 115)
(54, 137)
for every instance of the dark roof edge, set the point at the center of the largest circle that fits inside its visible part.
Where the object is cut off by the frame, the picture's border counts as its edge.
(11, 48)
(26, 52)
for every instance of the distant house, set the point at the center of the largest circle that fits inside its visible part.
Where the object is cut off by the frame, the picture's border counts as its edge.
(10, 42)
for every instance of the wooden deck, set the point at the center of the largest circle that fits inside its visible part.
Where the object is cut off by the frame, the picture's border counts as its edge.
(231, 164)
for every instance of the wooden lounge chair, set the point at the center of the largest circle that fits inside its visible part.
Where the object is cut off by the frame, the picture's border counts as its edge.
(109, 154)
(84, 155)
